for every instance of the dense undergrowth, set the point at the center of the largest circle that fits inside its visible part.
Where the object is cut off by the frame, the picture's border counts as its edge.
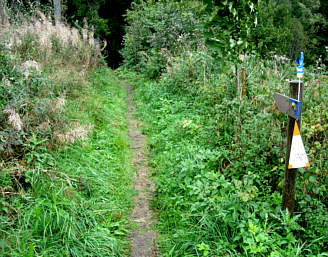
(217, 140)
(72, 201)
(218, 166)
(65, 185)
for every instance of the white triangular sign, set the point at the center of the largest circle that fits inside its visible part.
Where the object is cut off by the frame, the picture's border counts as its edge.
(298, 157)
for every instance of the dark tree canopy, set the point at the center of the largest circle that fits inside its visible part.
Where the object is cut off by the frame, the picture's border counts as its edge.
(107, 19)
(284, 27)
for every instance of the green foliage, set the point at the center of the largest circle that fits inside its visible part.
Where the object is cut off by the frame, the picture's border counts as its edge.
(228, 30)
(19, 11)
(309, 15)
(196, 68)
(78, 10)
(25, 103)
(272, 31)
(266, 27)
(218, 162)
(158, 30)
(73, 201)
(218, 157)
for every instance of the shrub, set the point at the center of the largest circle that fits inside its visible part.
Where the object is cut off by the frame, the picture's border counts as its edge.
(218, 160)
(158, 31)
(40, 64)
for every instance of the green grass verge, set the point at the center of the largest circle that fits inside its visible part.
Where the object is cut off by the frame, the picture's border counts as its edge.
(218, 168)
(73, 201)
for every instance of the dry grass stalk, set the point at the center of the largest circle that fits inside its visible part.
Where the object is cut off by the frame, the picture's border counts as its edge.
(58, 104)
(85, 31)
(6, 82)
(52, 39)
(31, 65)
(4, 20)
(94, 59)
(48, 36)
(44, 125)
(13, 119)
(76, 133)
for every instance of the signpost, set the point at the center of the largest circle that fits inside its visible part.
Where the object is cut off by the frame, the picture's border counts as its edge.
(295, 155)
(290, 106)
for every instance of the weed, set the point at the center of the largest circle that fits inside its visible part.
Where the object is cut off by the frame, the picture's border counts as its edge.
(218, 167)
(74, 200)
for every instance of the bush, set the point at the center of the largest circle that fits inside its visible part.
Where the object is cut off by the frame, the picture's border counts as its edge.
(219, 159)
(35, 80)
(158, 31)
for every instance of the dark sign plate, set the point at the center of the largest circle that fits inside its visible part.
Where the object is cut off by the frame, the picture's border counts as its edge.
(289, 106)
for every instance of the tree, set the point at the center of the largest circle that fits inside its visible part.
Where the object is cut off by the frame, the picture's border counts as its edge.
(228, 30)
(57, 10)
(273, 31)
(310, 15)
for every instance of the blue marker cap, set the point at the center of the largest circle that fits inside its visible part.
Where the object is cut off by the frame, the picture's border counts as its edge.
(299, 65)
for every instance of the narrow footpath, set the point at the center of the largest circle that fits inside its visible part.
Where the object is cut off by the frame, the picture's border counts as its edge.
(143, 238)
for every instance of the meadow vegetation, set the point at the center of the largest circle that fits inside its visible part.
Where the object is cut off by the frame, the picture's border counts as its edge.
(204, 74)
(217, 150)
(65, 181)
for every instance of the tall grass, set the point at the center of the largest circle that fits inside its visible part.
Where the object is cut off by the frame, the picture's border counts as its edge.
(64, 173)
(73, 201)
(38, 37)
(41, 64)
(218, 160)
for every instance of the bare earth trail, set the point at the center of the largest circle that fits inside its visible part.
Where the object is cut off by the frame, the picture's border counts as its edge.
(143, 238)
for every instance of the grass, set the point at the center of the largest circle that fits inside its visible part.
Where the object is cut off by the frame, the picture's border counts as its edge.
(218, 166)
(65, 176)
(41, 63)
(75, 200)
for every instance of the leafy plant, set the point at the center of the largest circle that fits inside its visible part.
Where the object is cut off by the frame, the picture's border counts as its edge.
(218, 163)
(157, 31)
(229, 28)
(75, 199)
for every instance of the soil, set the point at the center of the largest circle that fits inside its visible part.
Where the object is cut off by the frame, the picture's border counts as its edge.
(143, 239)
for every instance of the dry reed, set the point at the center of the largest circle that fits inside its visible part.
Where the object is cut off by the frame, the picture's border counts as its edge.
(49, 39)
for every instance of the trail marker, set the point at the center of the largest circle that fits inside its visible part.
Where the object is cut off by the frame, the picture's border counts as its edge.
(289, 106)
(299, 66)
(295, 155)
(298, 157)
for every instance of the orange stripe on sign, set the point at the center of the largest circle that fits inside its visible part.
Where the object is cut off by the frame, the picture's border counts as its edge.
(307, 164)
(296, 130)
(290, 166)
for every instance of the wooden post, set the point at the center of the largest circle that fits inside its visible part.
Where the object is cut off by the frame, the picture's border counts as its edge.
(243, 81)
(237, 78)
(288, 197)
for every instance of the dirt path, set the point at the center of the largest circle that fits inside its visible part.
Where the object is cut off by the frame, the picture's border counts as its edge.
(143, 238)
